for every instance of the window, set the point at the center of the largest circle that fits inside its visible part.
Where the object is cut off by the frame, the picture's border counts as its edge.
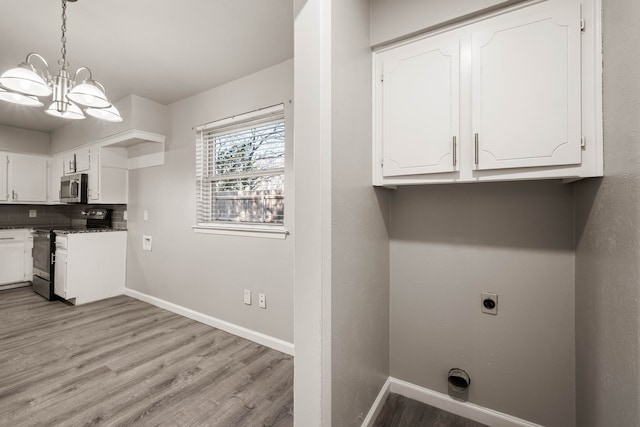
(240, 171)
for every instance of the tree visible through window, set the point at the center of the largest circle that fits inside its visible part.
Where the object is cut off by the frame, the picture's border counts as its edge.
(240, 170)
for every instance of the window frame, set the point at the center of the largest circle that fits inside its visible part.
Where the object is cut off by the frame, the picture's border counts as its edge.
(239, 122)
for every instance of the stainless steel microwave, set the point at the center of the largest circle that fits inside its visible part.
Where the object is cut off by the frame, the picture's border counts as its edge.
(74, 188)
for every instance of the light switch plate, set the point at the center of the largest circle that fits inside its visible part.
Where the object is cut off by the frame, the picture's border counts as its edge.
(247, 296)
(146, 243)
(32, 213)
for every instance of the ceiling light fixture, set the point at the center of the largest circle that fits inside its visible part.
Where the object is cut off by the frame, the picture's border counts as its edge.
(25, 83)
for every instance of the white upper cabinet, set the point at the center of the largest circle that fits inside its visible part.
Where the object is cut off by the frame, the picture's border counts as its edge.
(4, 178)
(512, 95)
(421, 106)
(77, 161)
(56, 166)
(526, 88)
(27, 178)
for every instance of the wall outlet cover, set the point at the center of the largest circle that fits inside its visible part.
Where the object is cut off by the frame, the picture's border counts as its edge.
(262, 301)
(32, 213)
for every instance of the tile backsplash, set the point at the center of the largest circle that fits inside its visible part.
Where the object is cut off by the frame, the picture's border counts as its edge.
(58, 215)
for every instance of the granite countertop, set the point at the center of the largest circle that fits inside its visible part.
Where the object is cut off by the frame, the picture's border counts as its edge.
(86, 230)
(61, 229)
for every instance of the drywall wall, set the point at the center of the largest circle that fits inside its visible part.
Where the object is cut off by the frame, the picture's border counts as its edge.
(392, 19)
(608, 240)
(448, 244)
(359, 239)
(18, 140)
(203, 272)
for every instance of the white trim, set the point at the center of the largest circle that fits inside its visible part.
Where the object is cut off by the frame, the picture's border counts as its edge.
(377, 404)
(273, 111)
(258, 337)
(243, 230)
(446, 403)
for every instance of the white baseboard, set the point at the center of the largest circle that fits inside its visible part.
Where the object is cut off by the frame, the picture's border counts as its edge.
(377, 404)
(446, 403)
(258, 337)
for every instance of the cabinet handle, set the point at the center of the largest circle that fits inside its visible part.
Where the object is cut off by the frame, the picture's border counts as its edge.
(7, 238)
(455, 154)
(476, 149)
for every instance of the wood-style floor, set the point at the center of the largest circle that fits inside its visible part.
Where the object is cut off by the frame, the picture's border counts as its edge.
(122, 362)
(399, 411)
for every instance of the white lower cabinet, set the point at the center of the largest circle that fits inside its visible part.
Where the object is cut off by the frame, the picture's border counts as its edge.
(509, 96)
(15, 256)
(90, 266)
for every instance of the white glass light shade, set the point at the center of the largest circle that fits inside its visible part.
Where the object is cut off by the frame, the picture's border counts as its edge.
(88, 94)
(24, 79)
(20, 98)
(73, 112)
(110, 114)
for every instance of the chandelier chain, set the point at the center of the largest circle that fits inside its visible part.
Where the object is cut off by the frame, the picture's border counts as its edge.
(63, 61)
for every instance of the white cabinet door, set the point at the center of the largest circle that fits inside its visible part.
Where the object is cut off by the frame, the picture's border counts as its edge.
(94, 176)
(77, 161)
(60, 275)
(526, 88)
(12, 260)
(4, 178)
(28, 178)
(56, 167)
(69, 163)
(83, 160)
(420, 113)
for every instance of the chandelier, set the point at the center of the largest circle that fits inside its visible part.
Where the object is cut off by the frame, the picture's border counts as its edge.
(25, 84)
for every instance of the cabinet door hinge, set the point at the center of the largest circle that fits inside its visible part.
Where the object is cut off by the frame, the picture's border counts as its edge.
(381, 78)
(583, 142)
(582, 25)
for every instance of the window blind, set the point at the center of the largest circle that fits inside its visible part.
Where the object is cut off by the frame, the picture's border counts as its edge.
(240, 170)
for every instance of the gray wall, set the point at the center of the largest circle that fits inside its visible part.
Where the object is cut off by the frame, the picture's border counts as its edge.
(18, 140)
(608, 240)
(207, 273)
(359, 239)
(449, 243)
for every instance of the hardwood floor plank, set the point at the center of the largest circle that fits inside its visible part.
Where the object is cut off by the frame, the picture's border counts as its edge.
(124, 362)
(399, 411)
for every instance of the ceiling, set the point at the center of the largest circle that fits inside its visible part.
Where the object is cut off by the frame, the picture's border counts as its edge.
(163, 50)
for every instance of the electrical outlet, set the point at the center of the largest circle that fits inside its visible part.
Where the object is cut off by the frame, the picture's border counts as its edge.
(32, 213)
(247, 296)
(124, 215)
(145, 215)
(262, 301)
(489, 303)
